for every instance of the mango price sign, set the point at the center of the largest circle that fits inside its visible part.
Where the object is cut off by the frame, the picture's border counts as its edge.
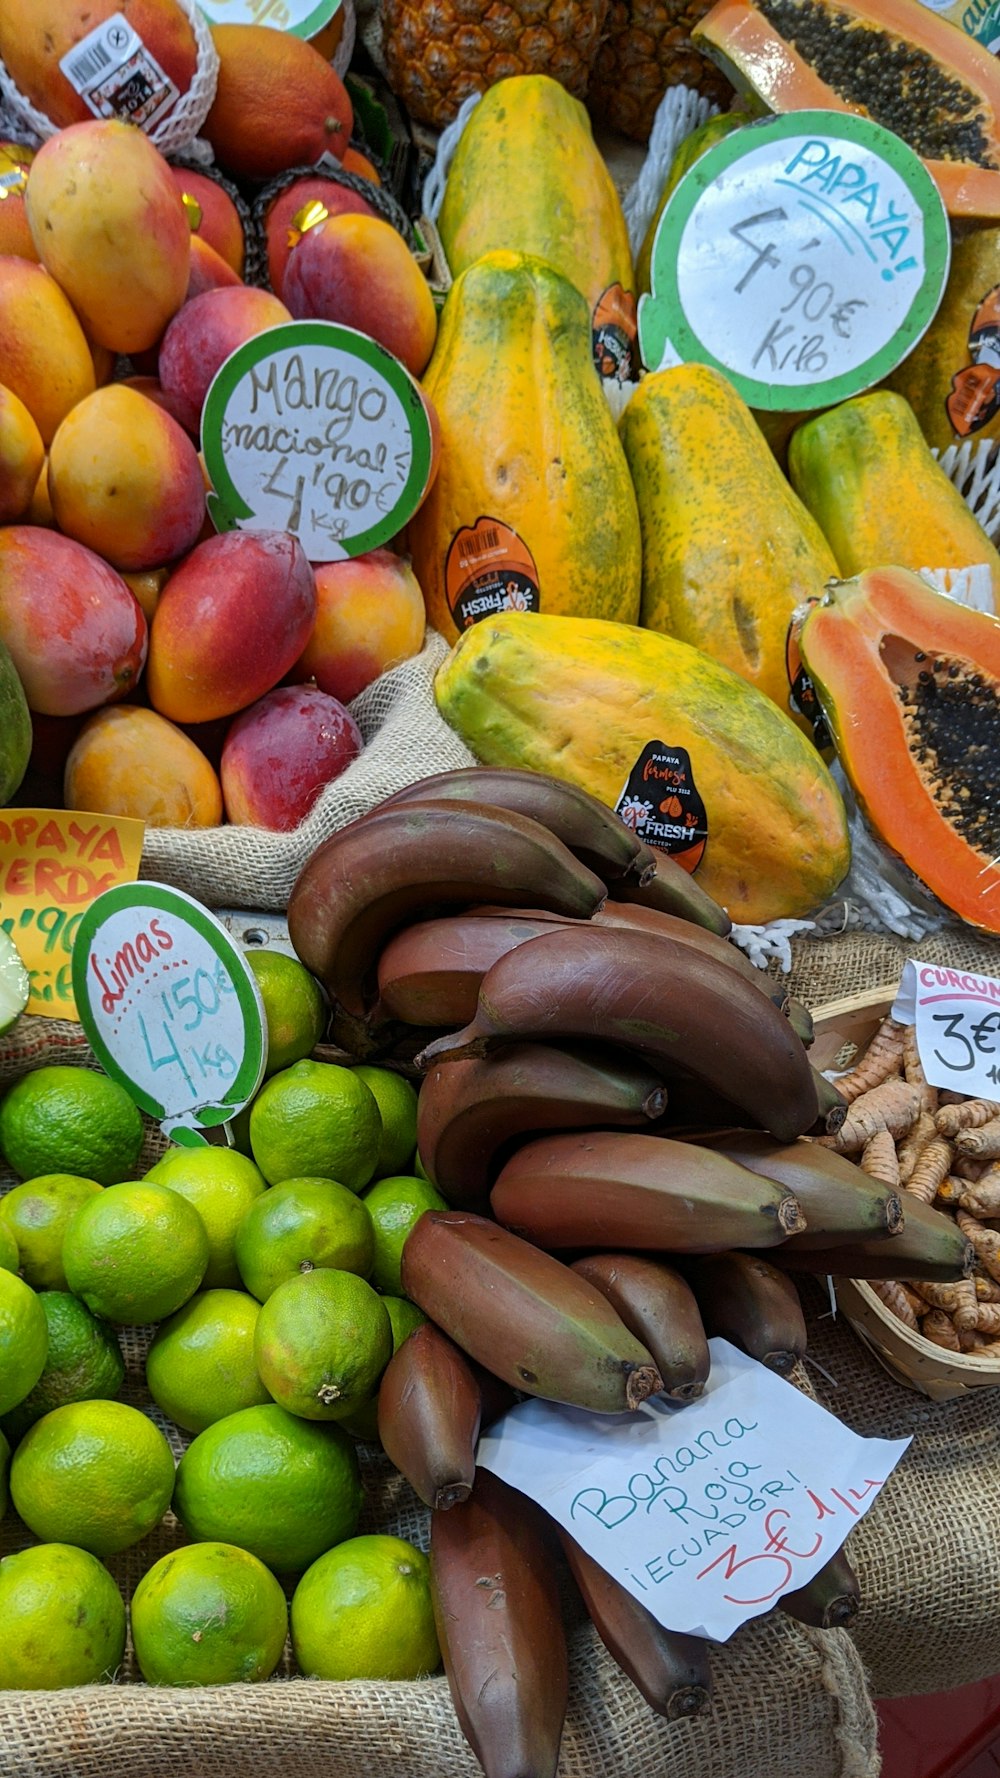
(707, 1513)
(957, 1016)
(315, 429)
(303, 18)
(803, 257)
(170, 1006)
(53, 863)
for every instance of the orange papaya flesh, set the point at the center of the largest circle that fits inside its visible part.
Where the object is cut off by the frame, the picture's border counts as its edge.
(895, 62)
(909, 683)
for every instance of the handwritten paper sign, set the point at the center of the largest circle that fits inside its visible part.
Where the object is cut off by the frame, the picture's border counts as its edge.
(707, 1513)
(303, 18)
(315, 429)
(171, 1007)
(957, 1015)
(53, 862)
(803, 257)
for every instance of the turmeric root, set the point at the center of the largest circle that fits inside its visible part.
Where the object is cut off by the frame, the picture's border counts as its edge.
(987, 1289)
(983, 1143)
(893, 1106)
(891, 1294)
(882, 1058)
(879, 1159)
(985, 1243)
(959, 1299)
(983, 1198)
(931, 1170)
(913, 1071)
(964, 1114)
(940, 1330)
(951, 1191)
(916, 1302)
(923, 1131)
(988, 1318)
(964, 1167)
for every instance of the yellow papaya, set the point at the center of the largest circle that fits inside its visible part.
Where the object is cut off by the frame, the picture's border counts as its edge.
(528, 177)
(951, 379)
(728, 550)
(695, 760)
(532, 507)
(867, 474)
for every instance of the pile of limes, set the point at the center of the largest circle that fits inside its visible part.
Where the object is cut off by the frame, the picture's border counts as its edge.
(273, 1276)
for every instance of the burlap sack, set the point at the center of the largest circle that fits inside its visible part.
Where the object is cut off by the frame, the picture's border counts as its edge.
(248, 867)
(825, 969)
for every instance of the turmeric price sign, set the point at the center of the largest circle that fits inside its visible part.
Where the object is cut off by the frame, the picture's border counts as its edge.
(170, 1006)
(957, 1016)
(802, 257)
(315, 429)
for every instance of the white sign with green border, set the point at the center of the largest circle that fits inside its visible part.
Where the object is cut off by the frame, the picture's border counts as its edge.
(315, 429)
(170, 1006)
(303, 18)
(803, 257)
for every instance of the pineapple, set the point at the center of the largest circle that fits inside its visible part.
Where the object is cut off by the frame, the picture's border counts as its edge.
(647, 47)
(437, 52)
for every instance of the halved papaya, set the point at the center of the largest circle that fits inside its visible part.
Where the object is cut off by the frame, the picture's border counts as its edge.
(909, 684)
(891, 60)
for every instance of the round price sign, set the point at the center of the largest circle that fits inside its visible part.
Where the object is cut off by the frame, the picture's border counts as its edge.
(170, 1006)
(315, 429)
(303, 18)
(803, 257)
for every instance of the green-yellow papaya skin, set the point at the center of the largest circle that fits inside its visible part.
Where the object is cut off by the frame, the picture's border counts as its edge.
(527, 177)
(866, 473)
(951, 379)
(584, 700)
(533, 502)
(691, 149)
(728, 550)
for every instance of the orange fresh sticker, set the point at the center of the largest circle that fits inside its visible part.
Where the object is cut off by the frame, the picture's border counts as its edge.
(489, 569)
(661, 804)
(615, 331)
(974, 397)
(53, 863)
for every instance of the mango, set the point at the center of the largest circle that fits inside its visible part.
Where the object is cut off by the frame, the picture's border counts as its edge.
(22, 455)
(75, 633)
(125, 480)
(282, 752)
(15, 729)
(230, 622)
(201, 337)
(358, 270)
(220, 224)
(279, 217)
(110, 225)
(127, 760)
(369, 617)
(209, 271)
(34, 38)
(15, 235)
(44, 356)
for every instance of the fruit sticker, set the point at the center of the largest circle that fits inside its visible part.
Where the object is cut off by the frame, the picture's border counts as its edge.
(170, 1006)
(615, 334)
(303, 18)
(117, 76)
(974, 398)
(801, 691)
(489, 569)
(315, 429)
(803, 257)
(661, 804)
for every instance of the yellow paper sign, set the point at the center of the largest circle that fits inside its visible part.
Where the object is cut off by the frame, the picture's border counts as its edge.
(53, 862)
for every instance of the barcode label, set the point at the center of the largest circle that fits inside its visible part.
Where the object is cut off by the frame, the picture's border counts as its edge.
(478, 542)
(83, 68)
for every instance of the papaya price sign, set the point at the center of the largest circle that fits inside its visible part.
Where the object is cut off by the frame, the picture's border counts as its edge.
(803, 257)
(315, 429)
(53, 863)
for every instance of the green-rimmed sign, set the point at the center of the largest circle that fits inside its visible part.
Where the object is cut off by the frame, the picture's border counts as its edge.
(303, 18)
(315, 429)
(803, 257)
(170, 1006)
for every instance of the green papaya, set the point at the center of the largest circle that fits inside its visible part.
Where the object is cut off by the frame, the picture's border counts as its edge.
(951, 379)
(697, 761)
(15, 728)
(690, 150)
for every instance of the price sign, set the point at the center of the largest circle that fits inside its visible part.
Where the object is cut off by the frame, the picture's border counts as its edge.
(706, 1514)
(957, 1016)
(170, 1006)
(303, 18)
(803, 257)
(315, 429)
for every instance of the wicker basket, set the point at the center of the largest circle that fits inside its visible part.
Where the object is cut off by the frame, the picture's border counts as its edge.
(907, 1356)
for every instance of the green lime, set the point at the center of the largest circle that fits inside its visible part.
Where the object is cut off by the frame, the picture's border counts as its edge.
(94, 1473)
(394, 1205)
(404, 1316)
(84, 1362)
(63, 1620)
(420, 1171)
(4, 1468)
(294, 1007)
(222, 1185)
(10, 1259)
(135, 1253)
(24, 1340)
(69, 1120)
(323, 1340)
(316, 1121)
(15, 984)
(209, 1614)
(200, 1367)
(277, 1486)
(36, 1214)
(397, 1103)
(299, 1225)
(363, 1611)
(239, 1130)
